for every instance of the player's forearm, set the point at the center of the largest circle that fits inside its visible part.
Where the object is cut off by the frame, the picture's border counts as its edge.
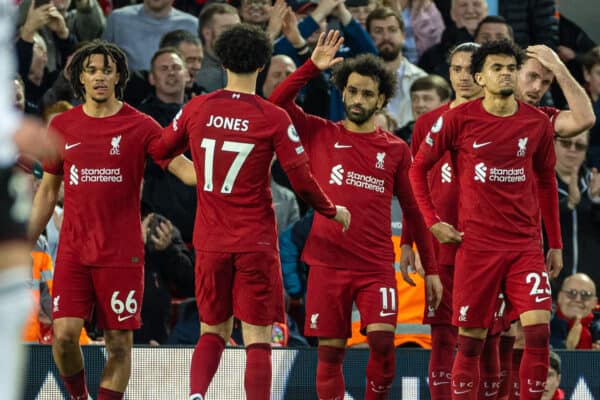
(285, 93)
(309, 190)
(420, 187)
(41, 211)
(580, 115)
(548, 200)
(183, 168)
(407, 237)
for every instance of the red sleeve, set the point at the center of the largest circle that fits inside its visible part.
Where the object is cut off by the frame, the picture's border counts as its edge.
(439, 139)
(306, 186)
(412, 216)
(172, 141)
(544, 160)
(419, 131)
(294, 162)
(285, 94)
(54, 165)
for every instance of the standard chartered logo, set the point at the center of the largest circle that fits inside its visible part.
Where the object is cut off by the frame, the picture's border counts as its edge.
(73, 175)
(446, 173)
(499, 175)
(94, 175)
(337, 175)
(355, 179)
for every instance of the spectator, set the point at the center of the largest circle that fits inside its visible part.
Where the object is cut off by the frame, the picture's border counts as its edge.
(386, 28)
(286, 207)
(137, 29)
(360, 10)
(579, 202)
(21, 102)
(426, 93)
(190, 48)
(164, 192)
(466, 15)
(214, 19)
(533, 21)
(168, 271)
(576, 321)
(63, 28)
(427, 24)
(552, 391)
(591, 75)
(279, 69)
(385, 121)
(493, 28)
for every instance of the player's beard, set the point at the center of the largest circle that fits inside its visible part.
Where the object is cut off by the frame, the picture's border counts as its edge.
(387, 53)
(363, 116)
(506, 92)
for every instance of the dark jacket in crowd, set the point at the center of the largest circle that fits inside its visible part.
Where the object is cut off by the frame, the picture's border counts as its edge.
(533, 21)
(559, 329)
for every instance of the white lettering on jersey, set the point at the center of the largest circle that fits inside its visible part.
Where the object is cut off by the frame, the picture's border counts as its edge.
(231, 124)
(115, 142)
(380, 159)
(446, 173)
(522, 147)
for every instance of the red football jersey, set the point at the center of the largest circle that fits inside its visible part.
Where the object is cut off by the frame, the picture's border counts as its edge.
(359, 171)
(442, 182)
(500, 163)
(551, 112)
(103, 163)
(233, 137)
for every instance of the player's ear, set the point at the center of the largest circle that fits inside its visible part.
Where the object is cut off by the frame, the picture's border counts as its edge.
(479, 79)
(380, 101)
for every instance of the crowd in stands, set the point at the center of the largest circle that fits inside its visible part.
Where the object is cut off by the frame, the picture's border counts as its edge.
(170, 51)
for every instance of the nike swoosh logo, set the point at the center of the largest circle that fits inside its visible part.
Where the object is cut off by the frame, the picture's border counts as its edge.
(70, 146)
(341, 146)
(535, 390)
(386, 314)
(488, 394)
(540, 299)
(124, 318)
(438, 383)
(462, 391)
(478, 145)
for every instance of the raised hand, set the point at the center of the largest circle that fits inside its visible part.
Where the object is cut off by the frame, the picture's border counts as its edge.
(446, 233)
(324, 54)
(278, 12)
(546, 56)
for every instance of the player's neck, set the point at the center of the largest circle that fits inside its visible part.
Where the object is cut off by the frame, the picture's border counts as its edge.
(500, 106)
(243, 83)
(96, 109)
(366, 127)
(461, 100)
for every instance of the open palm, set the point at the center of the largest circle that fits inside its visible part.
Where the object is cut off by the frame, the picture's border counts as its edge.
(324, 54)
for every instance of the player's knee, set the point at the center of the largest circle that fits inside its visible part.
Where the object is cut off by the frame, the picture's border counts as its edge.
(381, 342)
(119, 346)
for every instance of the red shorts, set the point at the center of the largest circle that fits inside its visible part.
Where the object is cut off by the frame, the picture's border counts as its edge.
(504, 316)
(247, 285)
(115, 293)
(331, 292)
(481, 275)
(443, 314)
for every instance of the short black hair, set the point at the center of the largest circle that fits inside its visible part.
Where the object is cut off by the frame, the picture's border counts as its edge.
(205, 18)
(433, 82)
(494, 19)
(500, 47)
(178, 36)
(165, 50)
(555, 362)
(243, 48)
(367, 65)
(108, 50)
(467, 47)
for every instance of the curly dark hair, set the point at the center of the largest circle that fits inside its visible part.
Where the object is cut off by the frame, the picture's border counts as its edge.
(243, 48)
(108, 50)
(501, 47)
(366, 65)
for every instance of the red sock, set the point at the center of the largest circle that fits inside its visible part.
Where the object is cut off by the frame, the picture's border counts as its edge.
(257, 378)
(443, 343)
(489, 369)
(534, 366)
(76, 386)
(205, 362)
(381, 366)
(107, 394)
(506, 359)
(330, 379)
(514, 376)
(465, 371)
